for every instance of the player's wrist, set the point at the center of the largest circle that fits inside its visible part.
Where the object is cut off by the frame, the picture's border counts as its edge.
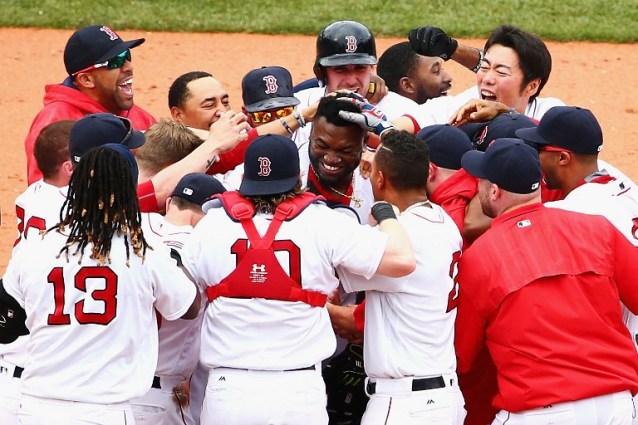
(382, 210)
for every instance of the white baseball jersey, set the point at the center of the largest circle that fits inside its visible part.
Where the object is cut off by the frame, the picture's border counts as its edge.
(265, 334)
(440, 109)
(408, 328)
(37, 208)
(178, 339)
(92, 335)
(392, 105)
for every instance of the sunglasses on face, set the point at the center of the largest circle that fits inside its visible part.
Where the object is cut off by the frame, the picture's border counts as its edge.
(113, 63)
(268, 116)
(549, 148)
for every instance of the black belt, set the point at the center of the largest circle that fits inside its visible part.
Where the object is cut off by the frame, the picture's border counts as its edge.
(420, 384)
(156, 383)
(17, 372)
(301, 368)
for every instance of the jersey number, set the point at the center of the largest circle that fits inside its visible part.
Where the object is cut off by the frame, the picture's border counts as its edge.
(108, 296)
(240, 247)
(453, 296)
(23, 228)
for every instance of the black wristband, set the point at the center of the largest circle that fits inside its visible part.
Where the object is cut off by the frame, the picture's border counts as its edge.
(382, 211)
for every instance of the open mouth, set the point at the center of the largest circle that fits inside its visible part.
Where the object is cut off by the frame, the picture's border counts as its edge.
(488, 95)
(127, 86)
(330, 170)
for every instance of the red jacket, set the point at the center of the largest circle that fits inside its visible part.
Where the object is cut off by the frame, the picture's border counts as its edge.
(542, 290)
(66, 103)
(454, 194)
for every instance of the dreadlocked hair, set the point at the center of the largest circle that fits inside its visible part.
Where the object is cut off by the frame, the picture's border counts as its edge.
(101, 202)
(268, 204)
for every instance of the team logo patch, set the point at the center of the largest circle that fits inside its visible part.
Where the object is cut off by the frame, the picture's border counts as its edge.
(187, 191)
(523, 223)
(535, 186)
(264, 166)
(351, 44)
(258, 273)
(271, 84)
(108, 31)
(481, 138)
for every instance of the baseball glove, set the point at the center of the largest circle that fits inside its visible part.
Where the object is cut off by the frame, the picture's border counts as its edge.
(432, 41)
(345, 378)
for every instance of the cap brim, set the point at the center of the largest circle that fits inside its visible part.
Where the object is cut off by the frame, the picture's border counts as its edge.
(473, 162)
(136, 140)
(273, 103)
(116, 50)
(531, 135)
(348, 59)
(264, 187)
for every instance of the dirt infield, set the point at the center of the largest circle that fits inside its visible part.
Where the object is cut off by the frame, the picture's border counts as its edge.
(600, 77)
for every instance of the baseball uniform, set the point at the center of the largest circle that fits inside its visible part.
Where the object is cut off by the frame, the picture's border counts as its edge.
(89, 349)
(37, 208)
(440, 109)
(267, 352)
(551, 318)
(178, 345)
(409, 333)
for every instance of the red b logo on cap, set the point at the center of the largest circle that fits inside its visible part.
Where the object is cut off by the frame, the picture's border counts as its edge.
(264, 166)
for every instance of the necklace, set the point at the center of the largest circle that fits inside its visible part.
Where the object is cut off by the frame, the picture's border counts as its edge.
(425, 203)
(357, 201)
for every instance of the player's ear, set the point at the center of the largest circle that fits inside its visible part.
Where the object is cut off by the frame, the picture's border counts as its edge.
(84, 79)
(167, 203)
(67, 168)
(564, 158)
(406, 85)
(432, 170)
(532, 87)
(177, 114)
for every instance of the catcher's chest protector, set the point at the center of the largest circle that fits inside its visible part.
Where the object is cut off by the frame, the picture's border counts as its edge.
(258, 273)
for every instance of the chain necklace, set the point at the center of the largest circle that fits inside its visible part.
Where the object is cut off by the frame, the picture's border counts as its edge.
(357, 201)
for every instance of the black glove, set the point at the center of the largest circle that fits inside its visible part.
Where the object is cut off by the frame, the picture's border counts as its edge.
(432, 41)
(344, 376)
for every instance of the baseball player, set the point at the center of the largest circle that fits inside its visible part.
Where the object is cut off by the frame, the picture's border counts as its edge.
(552, 318)
(267, 279)
(89, 349)
(37, 209)
(409, 351)
(513, 69)
(100, 79)
(417, 77)
(165, 402)
(346, 59)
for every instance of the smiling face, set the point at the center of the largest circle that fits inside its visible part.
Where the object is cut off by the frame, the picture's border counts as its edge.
(501, 78)
(112, 88)
(349, 77)
(430, 79)
(335, 152)
(207, 100)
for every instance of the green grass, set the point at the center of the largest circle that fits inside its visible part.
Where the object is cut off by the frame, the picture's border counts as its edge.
(560, 20)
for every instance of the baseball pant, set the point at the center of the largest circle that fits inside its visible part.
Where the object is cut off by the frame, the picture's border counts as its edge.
(609, 409)
(9, 394)
(394, 402)
(198, 389)
(251, 397)
(46, 411)
(157, 406)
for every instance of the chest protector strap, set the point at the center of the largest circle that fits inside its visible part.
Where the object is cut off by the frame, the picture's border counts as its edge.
(258, 273)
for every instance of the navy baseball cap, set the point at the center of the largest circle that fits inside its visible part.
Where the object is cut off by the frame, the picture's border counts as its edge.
(569, 127)
(447, 145)
(198, 187)
(271, 166)
(511, 164)
(96, 130)
(127, 155)
(504, 126)
(268, 87)
(92, 45)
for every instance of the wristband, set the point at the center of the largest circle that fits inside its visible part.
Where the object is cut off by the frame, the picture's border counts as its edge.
(480, 61)
(299, 117)
(382, 210)
(286, 126)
